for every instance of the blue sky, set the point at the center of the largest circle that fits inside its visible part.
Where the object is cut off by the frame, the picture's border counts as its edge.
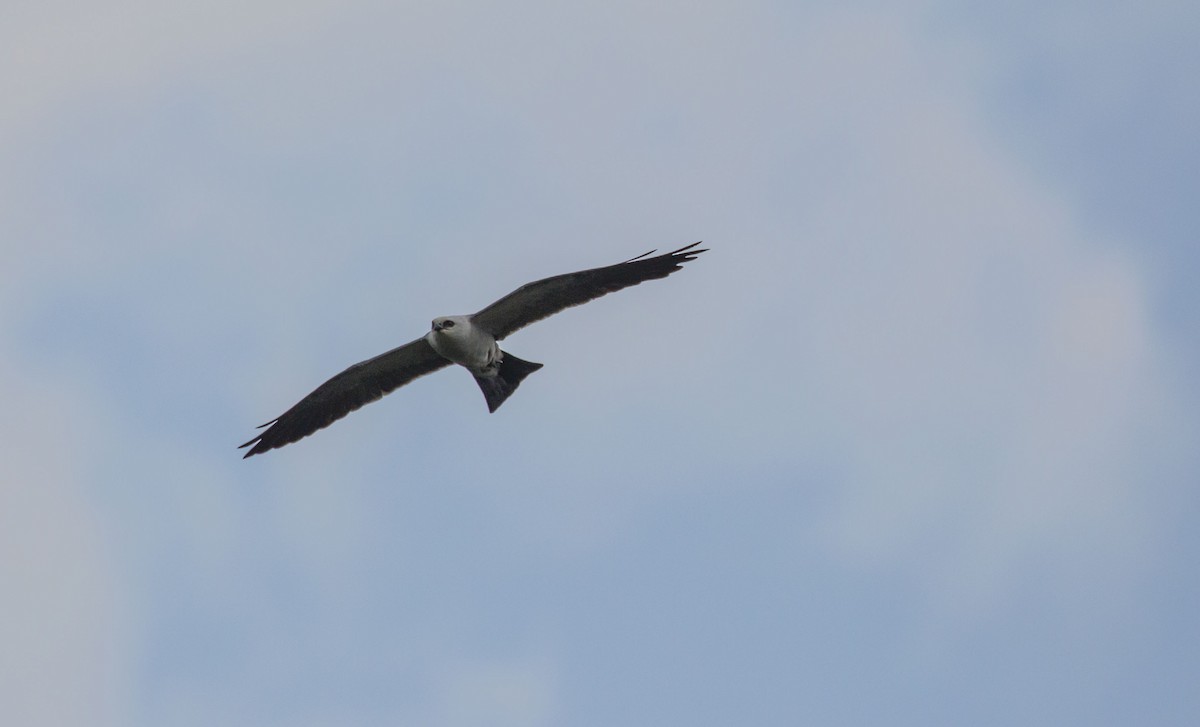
(911, 445)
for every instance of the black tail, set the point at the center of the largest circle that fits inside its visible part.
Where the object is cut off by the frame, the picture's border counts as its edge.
(499, 385)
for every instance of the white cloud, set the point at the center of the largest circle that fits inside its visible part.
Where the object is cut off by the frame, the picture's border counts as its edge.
(496, 692)
(54, 53)
(983, 365)
(65, 623)
(974, 364)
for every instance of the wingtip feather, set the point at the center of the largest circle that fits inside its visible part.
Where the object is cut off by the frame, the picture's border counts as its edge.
(639, 257)
(689, 247)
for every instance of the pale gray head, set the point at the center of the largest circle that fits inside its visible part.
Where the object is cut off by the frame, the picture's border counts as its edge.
(449, 324)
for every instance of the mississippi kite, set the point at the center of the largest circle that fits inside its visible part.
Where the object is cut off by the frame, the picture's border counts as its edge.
(469, 341)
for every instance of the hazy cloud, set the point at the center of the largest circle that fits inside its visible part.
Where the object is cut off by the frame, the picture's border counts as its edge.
(918, 394)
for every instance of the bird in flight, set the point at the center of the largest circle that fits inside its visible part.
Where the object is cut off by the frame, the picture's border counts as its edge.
(469, 341)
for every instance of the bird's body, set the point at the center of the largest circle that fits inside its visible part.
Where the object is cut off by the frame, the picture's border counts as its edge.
(460, 341)
(469, 341)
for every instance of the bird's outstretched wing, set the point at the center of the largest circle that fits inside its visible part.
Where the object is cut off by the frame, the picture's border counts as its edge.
(537, 300)
(361, 384)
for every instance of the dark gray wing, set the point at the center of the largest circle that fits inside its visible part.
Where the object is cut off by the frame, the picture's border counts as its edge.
(361, 384)
(535, 301)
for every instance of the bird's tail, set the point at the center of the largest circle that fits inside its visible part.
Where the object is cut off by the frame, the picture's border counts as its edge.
(500, 384)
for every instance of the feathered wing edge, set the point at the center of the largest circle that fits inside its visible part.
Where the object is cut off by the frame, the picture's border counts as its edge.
(361, 384)
(543, 298)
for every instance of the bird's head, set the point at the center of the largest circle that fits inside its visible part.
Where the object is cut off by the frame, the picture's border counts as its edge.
(449, 324)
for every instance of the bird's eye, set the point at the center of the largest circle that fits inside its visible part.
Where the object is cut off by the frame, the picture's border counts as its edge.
(447, 324)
